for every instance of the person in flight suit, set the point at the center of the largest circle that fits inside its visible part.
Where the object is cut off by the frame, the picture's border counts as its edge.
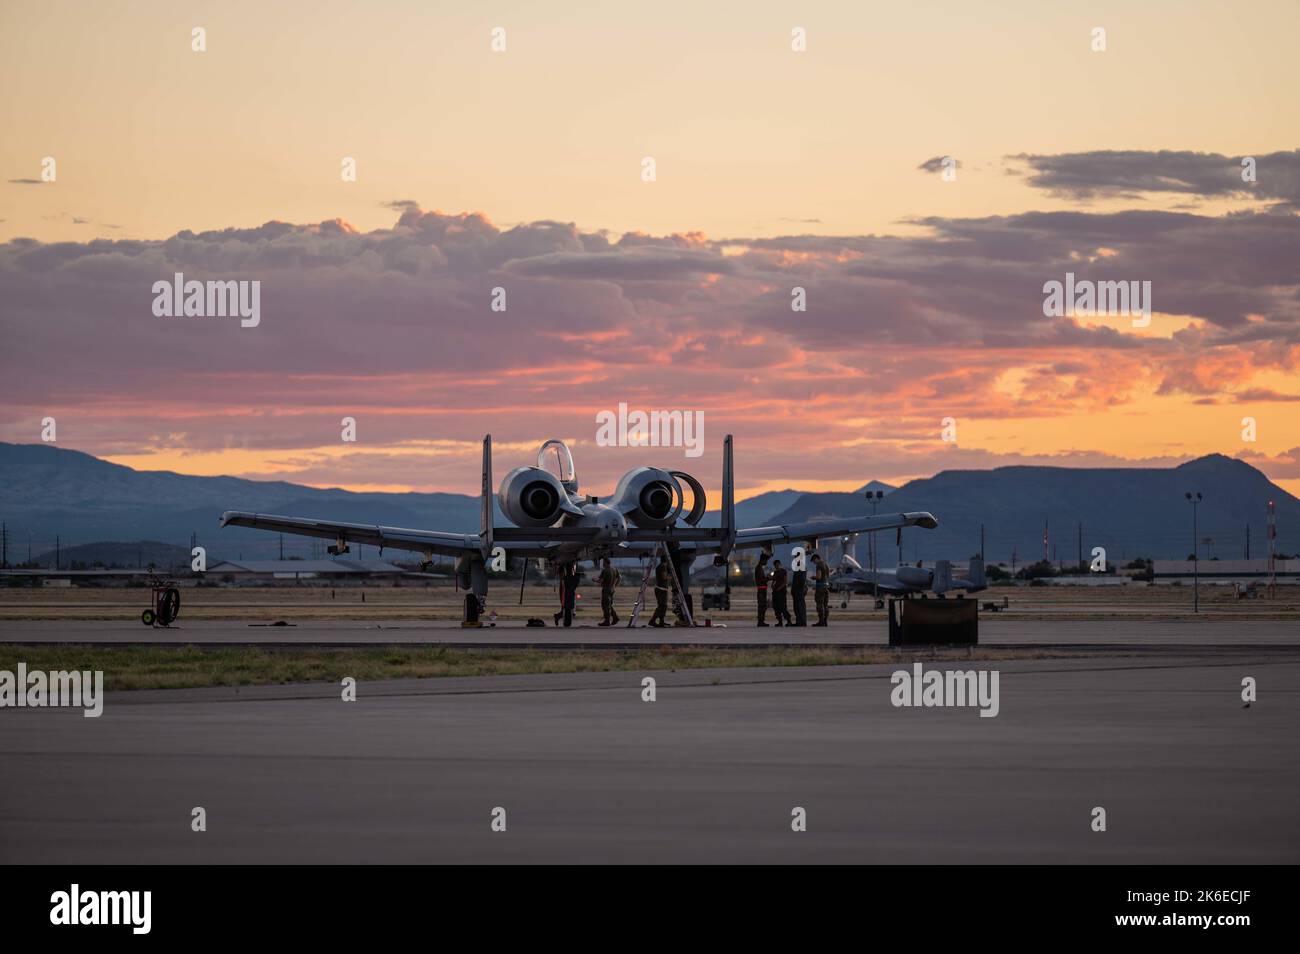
(609, 580)
(663, 582)
(799, 590)
(779, 589)
(760, 588)
(822, 590)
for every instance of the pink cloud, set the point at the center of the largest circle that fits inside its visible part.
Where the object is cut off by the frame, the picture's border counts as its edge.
(396, 328)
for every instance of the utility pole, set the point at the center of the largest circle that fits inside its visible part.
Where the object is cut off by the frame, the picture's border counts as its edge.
(1045, 537)
(282, 546)
(1272, 550)
(1196, 561)
(1080, 546)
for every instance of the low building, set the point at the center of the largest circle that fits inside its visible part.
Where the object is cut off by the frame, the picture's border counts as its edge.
(331, 571)
(1092, 579)
(1224, 571)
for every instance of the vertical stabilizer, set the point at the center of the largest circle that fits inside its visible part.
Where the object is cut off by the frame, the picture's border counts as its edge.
(728, 515)
(485, 501)
(942, 576)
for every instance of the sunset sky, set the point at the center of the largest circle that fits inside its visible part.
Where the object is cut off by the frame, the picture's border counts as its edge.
(522, 169)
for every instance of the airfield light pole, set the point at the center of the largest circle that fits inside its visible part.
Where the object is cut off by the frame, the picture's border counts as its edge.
(1196, 563)
(874, 497)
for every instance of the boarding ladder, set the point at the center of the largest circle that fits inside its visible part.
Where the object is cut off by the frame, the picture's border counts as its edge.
(682, 608)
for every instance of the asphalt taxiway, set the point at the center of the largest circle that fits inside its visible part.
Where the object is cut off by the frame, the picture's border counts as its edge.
(711, 771)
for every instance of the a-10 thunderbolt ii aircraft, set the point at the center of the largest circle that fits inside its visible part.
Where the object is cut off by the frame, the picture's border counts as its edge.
(554, 522)
(851, 577)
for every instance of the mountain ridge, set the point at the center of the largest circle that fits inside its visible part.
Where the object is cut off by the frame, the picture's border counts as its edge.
(48, 492)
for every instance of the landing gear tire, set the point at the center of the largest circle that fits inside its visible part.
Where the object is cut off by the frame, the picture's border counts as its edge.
(147, 617)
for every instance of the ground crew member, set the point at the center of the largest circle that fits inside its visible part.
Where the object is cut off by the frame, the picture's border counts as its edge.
(779, 589)
(568, 593)
(799, 590)
(663, 582)
(760, 588)
(609, 580)
(822, 590)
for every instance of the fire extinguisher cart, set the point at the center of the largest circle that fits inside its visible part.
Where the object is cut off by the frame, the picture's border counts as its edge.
(166, 605)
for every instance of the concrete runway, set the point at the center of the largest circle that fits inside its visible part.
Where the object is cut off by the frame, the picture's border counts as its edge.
(587, 772)
(994, 630)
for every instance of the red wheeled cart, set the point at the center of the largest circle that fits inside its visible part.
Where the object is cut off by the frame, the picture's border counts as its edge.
(166, 605)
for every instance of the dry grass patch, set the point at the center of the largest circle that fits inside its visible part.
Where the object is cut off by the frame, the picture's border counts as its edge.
(185, 667)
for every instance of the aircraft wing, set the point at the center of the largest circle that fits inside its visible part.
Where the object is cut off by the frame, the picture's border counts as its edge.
(708, 539)
(398, 538)
(816, 529)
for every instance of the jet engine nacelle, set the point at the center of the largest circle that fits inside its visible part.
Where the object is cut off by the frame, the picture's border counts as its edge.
(650, 498)
(533, 497)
